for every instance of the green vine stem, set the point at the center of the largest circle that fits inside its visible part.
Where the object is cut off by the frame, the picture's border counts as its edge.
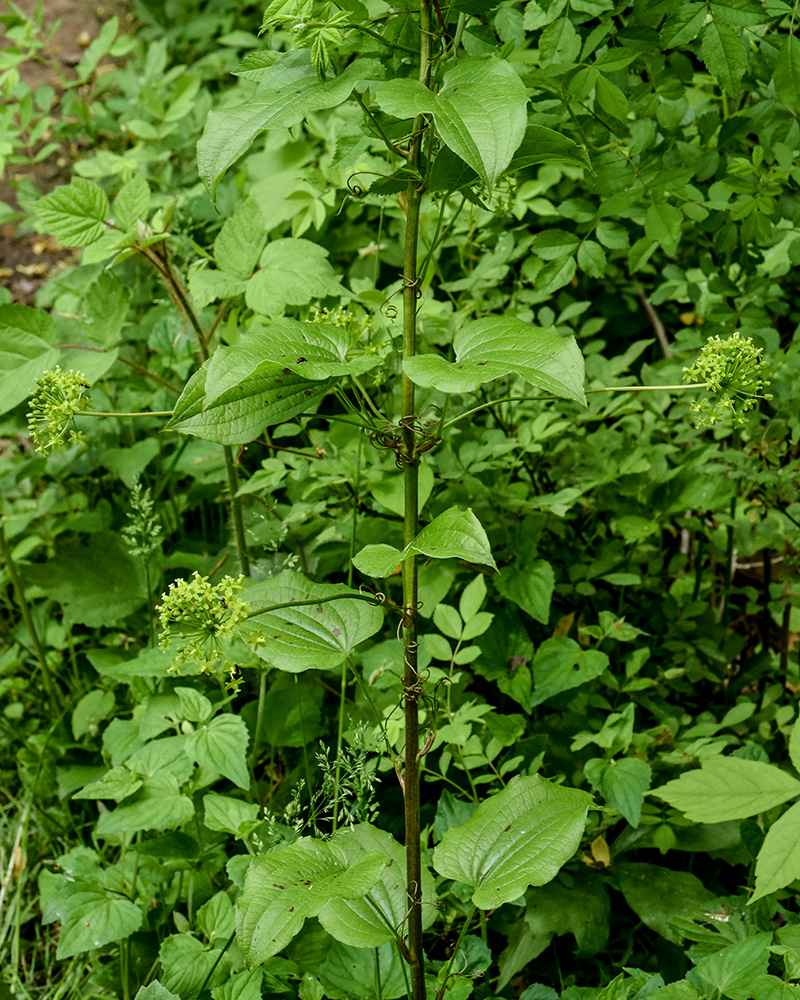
(25, 611)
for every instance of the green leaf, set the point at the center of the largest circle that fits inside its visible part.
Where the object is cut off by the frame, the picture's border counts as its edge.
(496, 346)
(155, 991)
(27, 351)
(90, 916)
(378, 561)
(90, 710)
(287, 92)
(683, 26)
(663, 223)
(187, 962)
(74, 213)
(221, 745)
(480, 112)
(367, 922)
(622, 783)
(454, 534)
(742, 13)
(310, 637)
(291, 883)
(794, 745)
(660, 895)
(287, 347)
(778, 861)
(561, 664)
(728, 788)
(241, 414)
(551, 244)
(592, 259)
(611, 99)
(472, 598)
(522, 836)
(132, 204)
(292, 272)
(116, 784)
(786, 78)
(725, 55)
(544, 145)
(241, 240)
(98, 583)
(158, 805)
(530, 588)
(229, 815)
(731, 970)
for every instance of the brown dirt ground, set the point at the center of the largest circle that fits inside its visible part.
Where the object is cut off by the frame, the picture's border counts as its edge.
(27, 259)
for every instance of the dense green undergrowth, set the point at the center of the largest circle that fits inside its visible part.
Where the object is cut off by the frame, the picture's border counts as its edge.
(387, 610)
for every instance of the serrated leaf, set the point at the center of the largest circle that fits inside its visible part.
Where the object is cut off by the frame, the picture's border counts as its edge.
(742, 13)
(132, 204)
(292, 272)
(367, 922)
(312, 636)
(663, 223)
(683, 26)
(544, 145)
(27, 351)
(241, 414)
(530, 587)
(221, 745)
(378, 561)
(229, 815)
(155, 991)
(778, 861)
(728, 788)
(592, 259)
(480, 112)
(286, 93)
(74, 213)
(623, 784)
(732, 969)
(116, 784)
(611, 99)
(725, 55)
(786, 78)
(294, 882)
(90, 917)
(158, 805)
(188, 963)
(241, 240)
(496, 346)
(522, 836)
(560, 664)
(550, 244)
(454, 534)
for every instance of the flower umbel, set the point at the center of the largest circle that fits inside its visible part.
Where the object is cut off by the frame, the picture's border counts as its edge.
(199, 616)
(731, 370)
(54, 402)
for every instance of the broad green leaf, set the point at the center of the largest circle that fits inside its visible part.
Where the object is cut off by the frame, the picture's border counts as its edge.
(551, 244)
(158, 805)
(287, 92)
(683, 26)
(116, 784)
(285, 348)
(27, 351)
(769, 987)
(314, 636)
(663, 223)
(368, 922)
(74, 213)
(660, 895)
(241, 414)
(480, 112)
(592, 259)
(542, 145)
(378, 561)
(742, 13)
(786, 78)
(560, 664)
(732, 969)
(725, 55)
(291, 883)
(454, 534)
(581, 908)
(241, 240)
(794, 745)
(530, 587)
(728, 788)
(215, 917)
(496, 346)
(90, 916)
(622, 783)
(186, 963)
(91, 710)
(155, 991)
(778, 861)
(559, 45)
(522, 836)
(228, 815)
(241, 986)
(292, 272)
(221, 745)
(98, 583)
(132, 204)
(611, 99)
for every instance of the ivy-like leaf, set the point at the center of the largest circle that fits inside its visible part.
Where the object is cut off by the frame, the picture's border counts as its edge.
(90, 916)
(292, 272)
(522, 836)
(496, 346)
(454, 534)
(221, 745)
(158, 805)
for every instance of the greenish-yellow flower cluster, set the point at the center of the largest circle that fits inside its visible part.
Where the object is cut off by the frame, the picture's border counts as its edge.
(732, 372)
(199, 617)
(54, 402)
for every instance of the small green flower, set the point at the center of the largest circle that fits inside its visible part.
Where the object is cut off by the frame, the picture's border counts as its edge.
(731, 370)
(58, 396)
(199, 617)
